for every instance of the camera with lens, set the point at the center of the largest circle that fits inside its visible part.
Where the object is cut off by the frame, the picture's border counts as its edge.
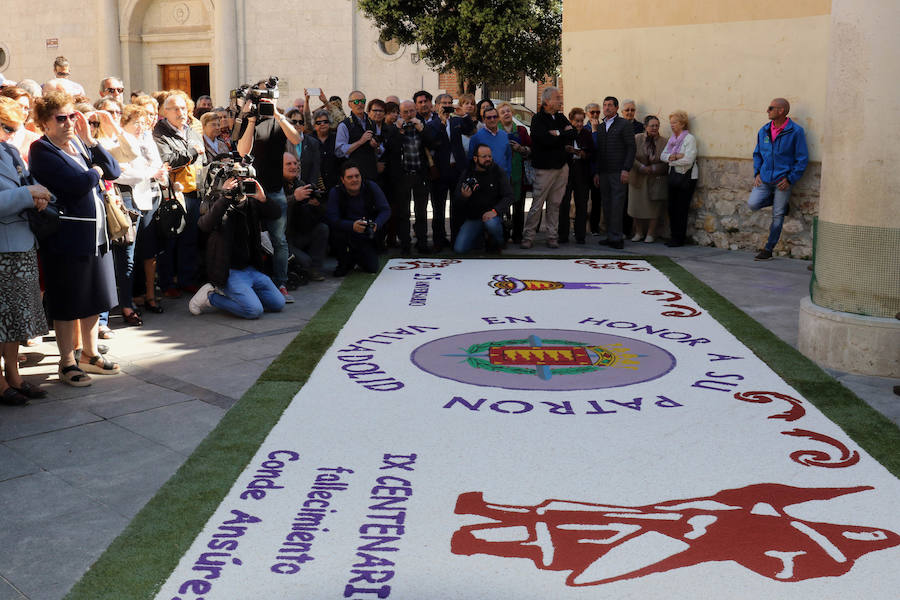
(369, 231)
(447, 110)
(470, 182)
(408, 126)
(254, 94)
(230, 166)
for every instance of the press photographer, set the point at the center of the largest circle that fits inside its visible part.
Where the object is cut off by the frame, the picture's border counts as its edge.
(483, 194)
(306, 230)
(263, 130)
(356, 213)
(232, 212)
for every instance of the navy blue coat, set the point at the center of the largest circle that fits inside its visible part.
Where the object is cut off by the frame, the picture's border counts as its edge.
(72, 187)
(459, 126)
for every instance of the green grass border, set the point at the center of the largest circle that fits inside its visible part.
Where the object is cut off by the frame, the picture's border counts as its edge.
(139, 561)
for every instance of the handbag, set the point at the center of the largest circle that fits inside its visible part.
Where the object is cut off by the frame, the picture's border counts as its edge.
(43, 223)
(171, 216)
(117, 219)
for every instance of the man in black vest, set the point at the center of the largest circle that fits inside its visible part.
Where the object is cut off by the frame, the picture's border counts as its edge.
(615, 149)
(355, 138)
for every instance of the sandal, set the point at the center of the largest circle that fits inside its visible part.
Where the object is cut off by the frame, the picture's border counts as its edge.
(99, 364)
(32, 392)
(133, 319)
(12, 397)
(105, 333)
(151, 305)
(74, 376)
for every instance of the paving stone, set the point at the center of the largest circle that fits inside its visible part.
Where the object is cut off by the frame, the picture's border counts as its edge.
(136, 398)
(22, 421)
(179, 427)
(8, 592)
(51, 532)
(109, 463)
(13, 464)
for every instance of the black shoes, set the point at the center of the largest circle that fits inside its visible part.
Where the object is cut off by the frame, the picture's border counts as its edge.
(12, 397)
(763, 255)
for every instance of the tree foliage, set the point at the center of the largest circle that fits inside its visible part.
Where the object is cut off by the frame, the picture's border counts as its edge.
(484, 41)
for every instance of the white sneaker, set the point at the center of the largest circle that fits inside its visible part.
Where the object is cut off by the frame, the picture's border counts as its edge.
(288, 299)
(649, 239)
(637, 237)
(200, 304)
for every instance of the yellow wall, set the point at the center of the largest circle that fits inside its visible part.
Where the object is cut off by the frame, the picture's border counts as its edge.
(721, 62)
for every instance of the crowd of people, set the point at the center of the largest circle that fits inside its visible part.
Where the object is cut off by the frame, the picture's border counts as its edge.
(103, 203)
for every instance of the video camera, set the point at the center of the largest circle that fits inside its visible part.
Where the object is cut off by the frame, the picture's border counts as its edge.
(225, 167)
(253, 94)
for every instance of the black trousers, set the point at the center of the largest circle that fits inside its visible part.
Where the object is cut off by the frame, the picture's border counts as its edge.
(417, 184)
(579, 186)
(355, 249)
(680, 195)
(440, 188)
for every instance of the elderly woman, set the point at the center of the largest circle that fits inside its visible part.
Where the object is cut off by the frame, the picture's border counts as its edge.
(680, 154)
(139, 188)
(647, 188)
(629, 111)
(21, 314)
(78, 265)
(22, 138)
(521, 147)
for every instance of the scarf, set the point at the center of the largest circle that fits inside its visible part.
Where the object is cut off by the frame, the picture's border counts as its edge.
(650, 148)
(674, 144)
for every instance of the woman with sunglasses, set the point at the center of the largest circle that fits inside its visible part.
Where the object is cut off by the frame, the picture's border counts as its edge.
(78, 265)
(21, 314)
(21, 138)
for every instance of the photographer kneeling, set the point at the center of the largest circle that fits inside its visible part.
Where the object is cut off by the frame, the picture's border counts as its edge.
(483, 194)
(356, 213)
(231, 217)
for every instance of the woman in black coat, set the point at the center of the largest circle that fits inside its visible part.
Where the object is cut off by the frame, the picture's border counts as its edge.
(78, 267)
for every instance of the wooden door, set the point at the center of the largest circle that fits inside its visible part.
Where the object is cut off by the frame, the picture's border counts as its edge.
(176, 77)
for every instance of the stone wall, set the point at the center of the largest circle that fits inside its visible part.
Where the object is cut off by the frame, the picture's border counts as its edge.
(720, 216)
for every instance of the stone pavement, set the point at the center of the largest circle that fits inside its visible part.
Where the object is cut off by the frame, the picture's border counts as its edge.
(77, 466)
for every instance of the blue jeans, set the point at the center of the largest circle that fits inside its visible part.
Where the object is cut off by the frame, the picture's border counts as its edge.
(276, 227)
(471, 230)
(768, 194)
(247, 294)
(123, 259)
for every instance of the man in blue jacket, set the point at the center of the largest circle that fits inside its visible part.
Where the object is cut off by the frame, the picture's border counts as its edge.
(779, 160)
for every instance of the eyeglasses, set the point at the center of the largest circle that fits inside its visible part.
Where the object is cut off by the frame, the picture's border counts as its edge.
(71, 117)
(358, 101)
(297, 121)
(628, 110)
(593, 112)
(491, 118)
(115, 90)
(323, 122)
(61, 74)
(7, 128)
(381, 110)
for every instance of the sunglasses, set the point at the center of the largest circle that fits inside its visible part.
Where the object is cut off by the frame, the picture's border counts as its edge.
(358, 101)
(377, 110)
(71, 117)
(7, 128)
(297, 121)
(115, 90)
(62, 75)
(594, 112)
(94, 123)
(323, 122)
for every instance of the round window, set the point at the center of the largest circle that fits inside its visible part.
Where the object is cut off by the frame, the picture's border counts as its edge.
(389, 47)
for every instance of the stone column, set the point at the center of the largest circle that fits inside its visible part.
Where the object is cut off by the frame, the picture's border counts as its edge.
(848, 322)
(109, 56)
(225, 51)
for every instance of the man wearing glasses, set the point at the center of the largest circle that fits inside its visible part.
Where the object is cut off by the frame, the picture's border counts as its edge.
(113, 88)
(61, 71)
(356, 138)
(307, 152)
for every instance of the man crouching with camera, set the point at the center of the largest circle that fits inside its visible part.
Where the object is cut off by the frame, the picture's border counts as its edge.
(483, 194)
(234, 257)
(356, 213)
